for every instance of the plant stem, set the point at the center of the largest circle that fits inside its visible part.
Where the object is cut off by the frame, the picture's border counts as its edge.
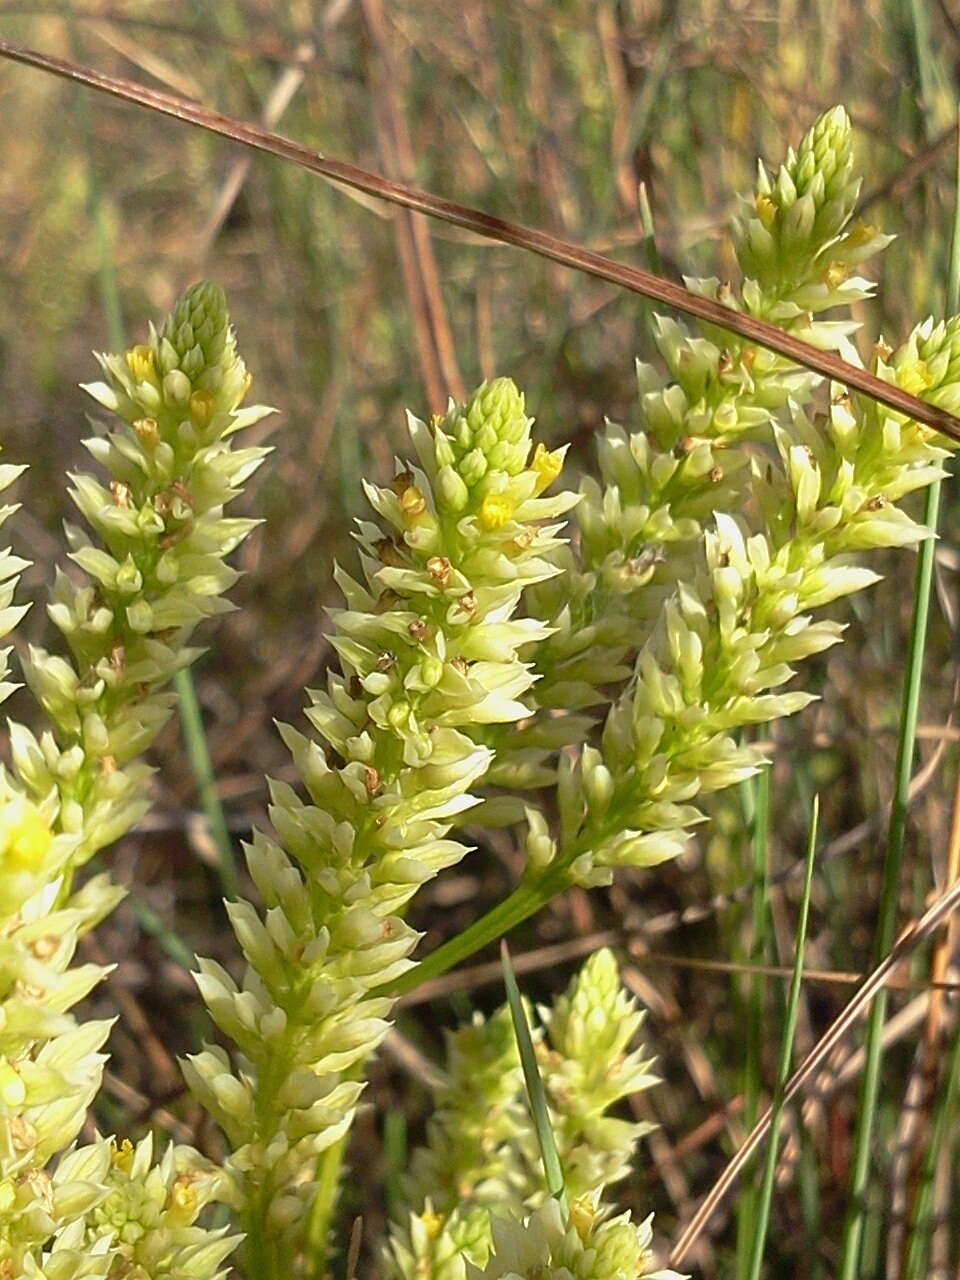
(786, 1053)
(195, 740)
(525, 901)
(886, 924)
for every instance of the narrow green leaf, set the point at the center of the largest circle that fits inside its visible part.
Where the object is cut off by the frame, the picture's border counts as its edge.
(531, 1075)
(786, 1055)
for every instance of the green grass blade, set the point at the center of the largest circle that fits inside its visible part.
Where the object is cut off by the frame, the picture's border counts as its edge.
(942, 1130)
(786, 1055)
(856, 1216)
(535, 1091)
(171, 942)
(651, 253)
(198, 751)
(887, 920)
(945, 1110)
(756, 803)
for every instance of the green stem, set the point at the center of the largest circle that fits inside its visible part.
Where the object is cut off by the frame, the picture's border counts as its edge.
(756, 793)
(195, 740)
(765, 1197)
(886, 924)
(525, 901)
(329, 1169)
(944, 1123)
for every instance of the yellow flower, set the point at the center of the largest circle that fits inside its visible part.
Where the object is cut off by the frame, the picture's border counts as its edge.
(25, 835)
(202, 405)
(141, 364)
(914, 378)
(547, 465)
(767, 210)
(495, 510)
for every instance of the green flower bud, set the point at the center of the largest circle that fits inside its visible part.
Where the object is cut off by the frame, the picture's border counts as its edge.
(452, 491)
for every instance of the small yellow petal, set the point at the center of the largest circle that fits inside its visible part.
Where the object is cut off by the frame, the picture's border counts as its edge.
(547, 465)
(914, 378)
(25, 836)
(767, 209)
(495, 510)
(141, 363)
(412, 501)
(202, 405)
(184, 1202)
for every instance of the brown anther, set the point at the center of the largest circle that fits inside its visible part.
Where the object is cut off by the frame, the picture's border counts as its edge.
(182, 492)
(420, 630)
(22, 1133)
(460, 664)
(724, 362)
(389, 553)
(882, 350)
(371, 780)
(108, 764)
(385, 661)
(120, 494)
(468, 602)
(715, 475)
(148, 431)
(724, 293)
(876, 503)
(438, 568)
(176, 535)
(524, 538)
(41, 1184)
(401, 482)
(386, 601)
(117, 655)
(689, 443)
(412, 501)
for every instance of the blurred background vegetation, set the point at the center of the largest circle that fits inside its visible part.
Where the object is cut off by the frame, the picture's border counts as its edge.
(553, 114)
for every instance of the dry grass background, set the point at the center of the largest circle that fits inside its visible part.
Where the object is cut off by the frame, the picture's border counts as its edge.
(347, 312)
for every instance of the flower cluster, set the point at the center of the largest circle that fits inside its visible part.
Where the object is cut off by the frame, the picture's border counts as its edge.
(582, 1244)
(429, 645)
(715, 531)
(481, 1162)
(153, 569)
(477, 649)
(644, 518)
(110, 1210)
